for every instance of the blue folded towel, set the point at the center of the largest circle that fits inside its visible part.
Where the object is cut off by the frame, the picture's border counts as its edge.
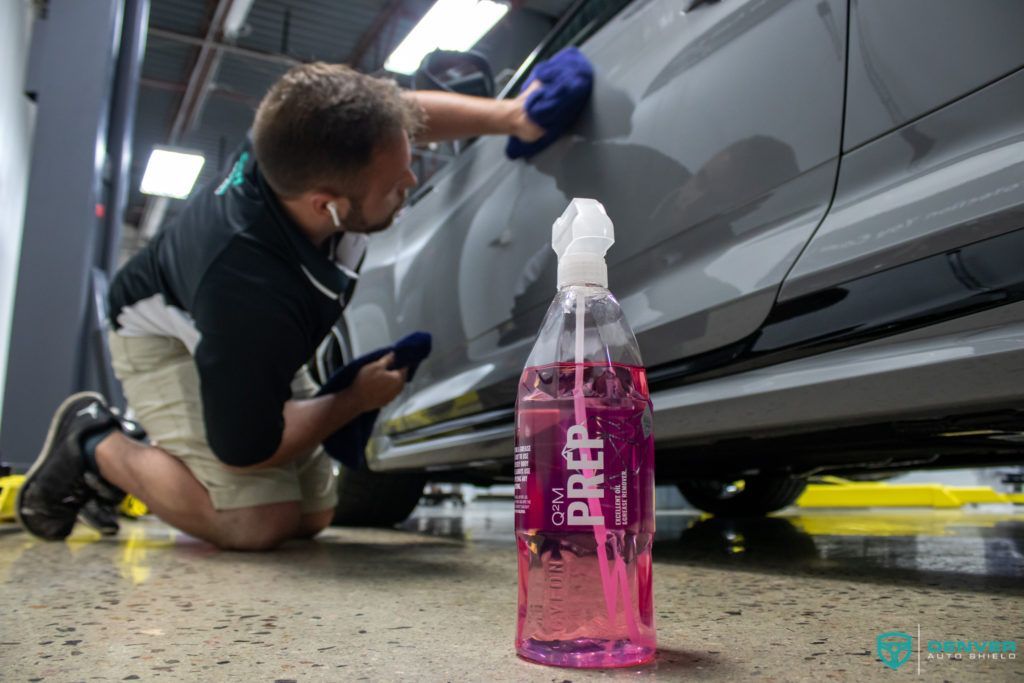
(348, 444)
(567, 79)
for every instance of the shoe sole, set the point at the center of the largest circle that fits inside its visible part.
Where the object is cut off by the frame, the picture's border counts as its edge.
(45, 453)
(99, 528)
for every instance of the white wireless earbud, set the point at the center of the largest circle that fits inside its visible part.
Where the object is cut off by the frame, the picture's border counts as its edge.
(333, 210)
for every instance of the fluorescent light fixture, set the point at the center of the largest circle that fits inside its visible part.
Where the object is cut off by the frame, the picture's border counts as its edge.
(234, 22)
(448, 25)
(171, 173)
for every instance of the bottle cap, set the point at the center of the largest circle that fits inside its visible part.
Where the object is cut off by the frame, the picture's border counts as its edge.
(580, 237)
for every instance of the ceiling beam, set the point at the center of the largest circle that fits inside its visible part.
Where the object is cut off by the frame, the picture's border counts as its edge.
(372, 34)
(219, 91)
(250, 53)
(202, 72)
(190, 107)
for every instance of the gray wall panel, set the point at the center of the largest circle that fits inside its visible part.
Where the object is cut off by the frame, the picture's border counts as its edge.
(72, 72)
(16, 116)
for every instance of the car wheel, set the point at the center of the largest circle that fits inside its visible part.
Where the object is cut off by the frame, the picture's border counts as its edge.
(742, 498)
(372, 499)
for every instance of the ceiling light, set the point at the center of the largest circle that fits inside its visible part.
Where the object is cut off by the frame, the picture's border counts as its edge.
(171, 173)
(448, 25)
(234, 22)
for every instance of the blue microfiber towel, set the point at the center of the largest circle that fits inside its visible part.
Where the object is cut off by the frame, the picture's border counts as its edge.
(567, 79)
(348, 444)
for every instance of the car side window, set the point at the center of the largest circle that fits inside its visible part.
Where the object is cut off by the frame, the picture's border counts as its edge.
(580, 22)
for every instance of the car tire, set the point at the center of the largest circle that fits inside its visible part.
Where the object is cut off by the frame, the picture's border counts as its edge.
(758, 496)
(373, 499)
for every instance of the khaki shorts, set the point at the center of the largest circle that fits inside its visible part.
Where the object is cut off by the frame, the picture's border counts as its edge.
(161, 384)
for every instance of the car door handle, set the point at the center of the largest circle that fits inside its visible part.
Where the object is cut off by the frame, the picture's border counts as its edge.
(502, 240)
(694, 4)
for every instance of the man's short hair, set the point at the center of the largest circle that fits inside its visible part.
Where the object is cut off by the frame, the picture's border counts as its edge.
(317, 126)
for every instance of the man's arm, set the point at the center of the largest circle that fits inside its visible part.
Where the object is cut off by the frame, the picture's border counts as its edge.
(252, 343)
(450, 116)
(307, 422)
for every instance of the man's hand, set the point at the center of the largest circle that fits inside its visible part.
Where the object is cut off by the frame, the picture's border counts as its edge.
(376, 386)
(308, 421)
(522, 127)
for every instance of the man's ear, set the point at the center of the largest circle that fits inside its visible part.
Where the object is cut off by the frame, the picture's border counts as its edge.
(320, 200)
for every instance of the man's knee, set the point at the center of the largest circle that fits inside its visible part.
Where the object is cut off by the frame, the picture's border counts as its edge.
(314, 522)
(258, 528)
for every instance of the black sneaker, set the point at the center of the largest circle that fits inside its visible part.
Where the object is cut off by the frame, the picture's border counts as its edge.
(55, 488)
(99, 515)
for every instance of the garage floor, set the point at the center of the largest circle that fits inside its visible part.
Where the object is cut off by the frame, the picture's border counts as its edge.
(790, 598)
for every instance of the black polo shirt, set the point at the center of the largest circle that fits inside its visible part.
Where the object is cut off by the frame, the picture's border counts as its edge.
(248, 294)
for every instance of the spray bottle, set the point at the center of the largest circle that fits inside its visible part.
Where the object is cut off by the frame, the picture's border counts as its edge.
(584, 466)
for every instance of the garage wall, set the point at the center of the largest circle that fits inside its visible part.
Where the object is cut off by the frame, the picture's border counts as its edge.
(16, 118)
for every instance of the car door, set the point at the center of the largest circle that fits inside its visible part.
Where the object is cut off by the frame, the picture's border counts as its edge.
(933, 154)
(712, 139)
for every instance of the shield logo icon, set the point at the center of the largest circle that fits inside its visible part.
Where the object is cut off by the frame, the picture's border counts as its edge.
(894, 648)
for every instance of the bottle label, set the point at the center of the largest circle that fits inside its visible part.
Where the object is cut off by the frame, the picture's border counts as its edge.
(572, 476)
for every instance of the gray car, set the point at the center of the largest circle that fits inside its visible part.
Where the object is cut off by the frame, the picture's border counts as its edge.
(819, 212)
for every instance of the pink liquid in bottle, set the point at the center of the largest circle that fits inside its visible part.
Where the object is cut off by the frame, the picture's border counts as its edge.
(585, 515)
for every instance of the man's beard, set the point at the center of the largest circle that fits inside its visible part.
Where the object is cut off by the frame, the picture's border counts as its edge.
(355, 221)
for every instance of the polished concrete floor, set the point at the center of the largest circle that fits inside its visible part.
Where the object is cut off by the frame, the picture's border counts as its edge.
(797, 597)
